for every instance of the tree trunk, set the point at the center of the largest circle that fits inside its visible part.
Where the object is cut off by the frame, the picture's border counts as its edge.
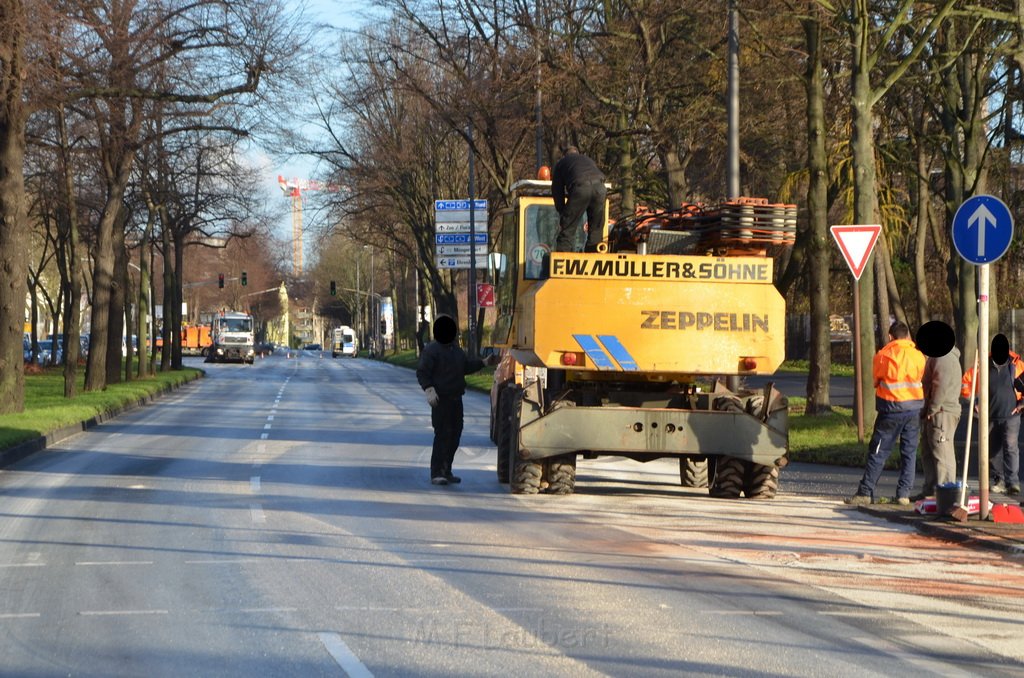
(103, 275)
(14, 227)
(73, 304)
(176, 291)
(145, 248)
(922, 220)
(675, 175)
(627, 191)
(818, 395)
(115, 309)
(864, 188)
(168, 335)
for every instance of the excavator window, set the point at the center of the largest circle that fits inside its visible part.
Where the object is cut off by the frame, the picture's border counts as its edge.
(541, 233)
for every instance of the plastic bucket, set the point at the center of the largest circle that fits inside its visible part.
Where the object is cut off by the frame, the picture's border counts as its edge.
(946, 498)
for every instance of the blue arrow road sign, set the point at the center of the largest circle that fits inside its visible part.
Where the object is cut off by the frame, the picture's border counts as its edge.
(982, 229)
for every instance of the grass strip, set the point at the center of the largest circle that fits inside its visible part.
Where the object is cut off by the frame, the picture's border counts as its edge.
(47, 410)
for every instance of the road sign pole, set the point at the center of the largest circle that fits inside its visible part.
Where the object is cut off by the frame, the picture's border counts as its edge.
(983, 388)
(858, 390)
(855, 244)
(982, 232)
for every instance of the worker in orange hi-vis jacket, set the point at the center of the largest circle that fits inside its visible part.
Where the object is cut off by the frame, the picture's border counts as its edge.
(1005, 403)
(898, 369)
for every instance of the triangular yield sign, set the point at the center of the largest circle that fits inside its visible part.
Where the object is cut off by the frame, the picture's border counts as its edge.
(856, 243)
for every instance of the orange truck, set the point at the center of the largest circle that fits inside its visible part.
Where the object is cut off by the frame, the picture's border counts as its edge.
(195, 339)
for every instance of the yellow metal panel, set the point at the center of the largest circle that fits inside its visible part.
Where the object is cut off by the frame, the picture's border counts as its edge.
(650, 325)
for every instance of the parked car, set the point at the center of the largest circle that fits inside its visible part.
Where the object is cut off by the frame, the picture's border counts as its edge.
(50, 352)
(312, 347)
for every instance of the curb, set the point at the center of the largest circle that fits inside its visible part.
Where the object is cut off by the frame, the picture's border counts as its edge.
(14, 454)
(1002, 537)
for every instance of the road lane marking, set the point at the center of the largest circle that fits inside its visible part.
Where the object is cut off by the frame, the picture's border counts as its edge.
(223, 561)
(264, 436)
(256, 511)
(344, 657)
(266, 427)
(113, 562)
(3, 565)
(270, 418)
(115, 613)
(254, 484)
(21, 615)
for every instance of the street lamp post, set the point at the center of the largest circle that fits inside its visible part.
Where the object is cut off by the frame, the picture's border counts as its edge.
(359, 301)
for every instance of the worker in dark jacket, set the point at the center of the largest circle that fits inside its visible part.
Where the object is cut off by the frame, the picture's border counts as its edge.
(442, 375)
(1005, 402)
(577, 186)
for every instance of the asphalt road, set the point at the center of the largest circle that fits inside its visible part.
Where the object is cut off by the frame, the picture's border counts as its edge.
(278, 520)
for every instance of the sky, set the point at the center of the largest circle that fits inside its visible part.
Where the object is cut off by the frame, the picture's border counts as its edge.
(343, 14)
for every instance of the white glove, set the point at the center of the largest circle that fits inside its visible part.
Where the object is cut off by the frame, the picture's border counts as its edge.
(432, 398)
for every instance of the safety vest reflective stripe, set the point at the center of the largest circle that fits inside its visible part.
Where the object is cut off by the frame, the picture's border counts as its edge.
(902, 384)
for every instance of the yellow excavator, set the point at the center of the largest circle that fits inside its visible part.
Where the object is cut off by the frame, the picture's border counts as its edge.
(627, 351)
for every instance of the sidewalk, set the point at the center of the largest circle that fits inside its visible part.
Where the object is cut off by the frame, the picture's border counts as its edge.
(1005, 537)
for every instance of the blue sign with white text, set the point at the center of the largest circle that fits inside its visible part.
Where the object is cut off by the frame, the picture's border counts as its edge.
(447, 205)
(982, 229)
(459, 238)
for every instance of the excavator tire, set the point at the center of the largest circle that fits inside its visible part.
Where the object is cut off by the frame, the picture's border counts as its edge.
(729, 476)
(561, 474)
(761, 482)
(524, 474)
(693, 471)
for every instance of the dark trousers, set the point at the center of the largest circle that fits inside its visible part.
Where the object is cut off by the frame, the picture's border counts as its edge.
(890, 427)
(589, 197)
(446, 418)
(1004, 457)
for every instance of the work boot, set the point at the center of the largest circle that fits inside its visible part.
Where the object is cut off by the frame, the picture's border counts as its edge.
(439, 480)
(858, 500)
(1013, 490)
(920, 496)
(997, 487)
(453, 479)
(903, 501)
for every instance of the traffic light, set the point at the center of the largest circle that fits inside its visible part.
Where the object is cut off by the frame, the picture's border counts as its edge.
(334, 289)
(245, 280)
(220, 280)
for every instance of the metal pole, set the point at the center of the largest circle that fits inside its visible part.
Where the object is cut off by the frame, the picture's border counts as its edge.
(371, 299)
(983, 387)
(733, 112)
(733, 101)
(471, 292)
(537, 104)
(359, 302)
(858, 390)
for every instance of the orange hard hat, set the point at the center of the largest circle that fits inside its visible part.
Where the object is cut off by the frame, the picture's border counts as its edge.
(544, 173)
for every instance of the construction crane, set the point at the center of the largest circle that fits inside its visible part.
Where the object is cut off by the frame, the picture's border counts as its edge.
(293, 188)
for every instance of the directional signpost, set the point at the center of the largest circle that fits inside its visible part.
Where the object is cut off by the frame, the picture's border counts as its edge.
(982, 231)
(460, 241)
(856, 243)
(454, 223)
